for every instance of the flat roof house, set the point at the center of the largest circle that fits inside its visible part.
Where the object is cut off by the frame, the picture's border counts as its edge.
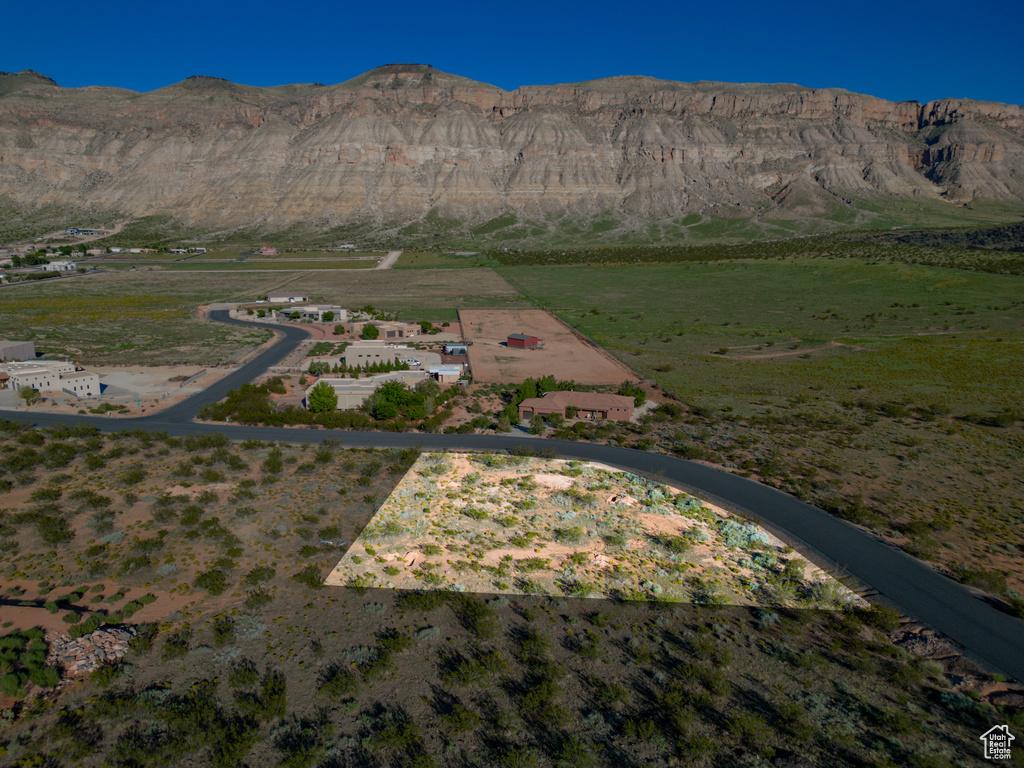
(51, 376)
(445, 374)
(364, 352)
(80, 383)
(589, 405)
(59, 266)
(352, 393)
(44, 375)
(317, 312)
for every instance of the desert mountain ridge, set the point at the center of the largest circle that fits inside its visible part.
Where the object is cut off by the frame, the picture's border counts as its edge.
(406, 141)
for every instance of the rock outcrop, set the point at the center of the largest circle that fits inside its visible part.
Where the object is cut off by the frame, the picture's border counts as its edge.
(89, 652)
(403, 140)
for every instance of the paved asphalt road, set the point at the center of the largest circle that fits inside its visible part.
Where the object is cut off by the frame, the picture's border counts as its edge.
(915, 588)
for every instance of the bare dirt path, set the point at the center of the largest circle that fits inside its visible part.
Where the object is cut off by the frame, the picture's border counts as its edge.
(71, 238)
(388, 261)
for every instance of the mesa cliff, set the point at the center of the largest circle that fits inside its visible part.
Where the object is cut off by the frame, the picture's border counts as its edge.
(401, 141)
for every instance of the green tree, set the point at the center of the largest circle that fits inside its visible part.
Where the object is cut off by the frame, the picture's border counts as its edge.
(385, 410)
(339, 329)
(30, 395)
(511, 413)
(323, 398)
(370, 331)
(328, 316)
(629, 389)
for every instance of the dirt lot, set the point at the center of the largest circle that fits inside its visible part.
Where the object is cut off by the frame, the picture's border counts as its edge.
(566, 354)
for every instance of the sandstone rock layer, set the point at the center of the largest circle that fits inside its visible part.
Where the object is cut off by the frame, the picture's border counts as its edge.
(402, 140)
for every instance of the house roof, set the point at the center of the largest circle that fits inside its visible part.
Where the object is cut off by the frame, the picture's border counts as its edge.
(521, 336)
(588, 401)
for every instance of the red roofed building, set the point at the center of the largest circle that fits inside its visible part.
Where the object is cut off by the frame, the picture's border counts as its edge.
(589, 405)
(522, 341)
(268, 250)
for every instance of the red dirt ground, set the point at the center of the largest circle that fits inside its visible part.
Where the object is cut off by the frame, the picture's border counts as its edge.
(566, 353)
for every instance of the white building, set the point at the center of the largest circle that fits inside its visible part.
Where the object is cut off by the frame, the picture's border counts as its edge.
(352, 393)
(80, 383)
(446, 374)
(42, 375)
(360, 353)
(317, 311)
(52, 376)
(59, 266)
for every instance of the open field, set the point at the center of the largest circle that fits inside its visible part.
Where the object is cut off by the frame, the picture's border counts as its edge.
(215, 553)
(564, 354)
(873, 389)
(413, 260)
(249, 265)
(150, 318)
(528, 526)
(99, 328)
(856, 245)
(288, 255)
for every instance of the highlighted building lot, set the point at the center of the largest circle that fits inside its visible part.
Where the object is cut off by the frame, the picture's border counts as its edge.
(512, 345)
(496, 523)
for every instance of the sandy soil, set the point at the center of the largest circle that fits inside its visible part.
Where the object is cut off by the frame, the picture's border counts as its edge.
(516, 525)
(566, 354)
(136, 389)
(139, 389)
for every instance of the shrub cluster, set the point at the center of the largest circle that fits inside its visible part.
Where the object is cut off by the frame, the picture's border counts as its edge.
(23, 658)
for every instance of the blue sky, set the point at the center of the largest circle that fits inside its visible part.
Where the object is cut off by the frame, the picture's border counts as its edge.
(895, 50)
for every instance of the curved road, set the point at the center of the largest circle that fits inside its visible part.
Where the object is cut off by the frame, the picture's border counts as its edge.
(915, 588)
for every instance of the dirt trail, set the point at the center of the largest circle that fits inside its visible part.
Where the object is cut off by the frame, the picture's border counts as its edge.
(388, 261)
(72, 238)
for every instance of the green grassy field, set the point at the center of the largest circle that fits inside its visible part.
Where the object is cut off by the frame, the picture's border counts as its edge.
(932, 335)
(425, 260)
(244, 266)
(149, 317)
(887, 392)
(817, 247)
(116, 328)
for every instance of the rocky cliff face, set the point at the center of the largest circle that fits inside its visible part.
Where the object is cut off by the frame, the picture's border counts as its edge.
(403, 140)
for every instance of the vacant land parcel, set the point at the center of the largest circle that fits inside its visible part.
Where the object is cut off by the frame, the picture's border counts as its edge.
(565, 353)
(522, 525)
